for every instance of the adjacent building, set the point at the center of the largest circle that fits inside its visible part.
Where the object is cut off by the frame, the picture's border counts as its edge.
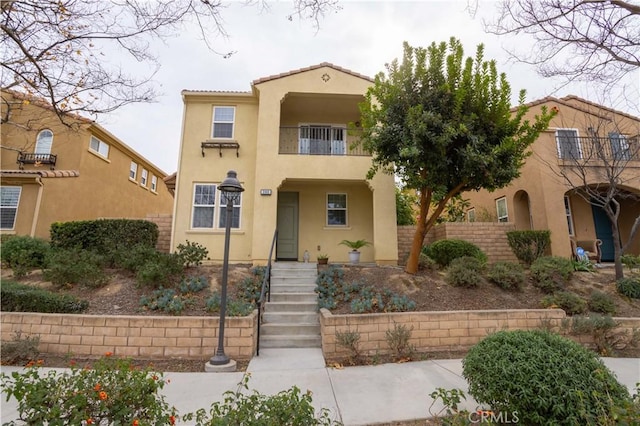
(585, 144)
(56, 172)
(290, 140)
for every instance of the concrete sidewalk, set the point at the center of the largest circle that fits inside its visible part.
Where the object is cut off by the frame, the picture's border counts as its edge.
(365, 395)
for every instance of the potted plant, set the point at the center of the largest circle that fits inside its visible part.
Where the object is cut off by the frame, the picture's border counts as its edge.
(323, 259)
(354, 254)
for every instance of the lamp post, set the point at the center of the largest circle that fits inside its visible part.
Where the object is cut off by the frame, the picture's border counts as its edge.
(230, 189)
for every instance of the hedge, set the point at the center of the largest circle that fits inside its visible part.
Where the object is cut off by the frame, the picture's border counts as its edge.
(103, 235)
(15, 297)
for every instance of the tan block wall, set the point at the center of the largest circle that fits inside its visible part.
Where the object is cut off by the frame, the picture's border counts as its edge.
(164, 230)
(490, 237)
(134, 336)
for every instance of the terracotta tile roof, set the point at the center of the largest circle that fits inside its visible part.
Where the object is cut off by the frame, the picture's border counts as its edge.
(42, 173)
(312, 67)
(42, 103)
(566, 101)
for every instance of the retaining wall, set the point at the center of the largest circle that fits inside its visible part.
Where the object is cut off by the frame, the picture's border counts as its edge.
(164, 230)
(134, 336)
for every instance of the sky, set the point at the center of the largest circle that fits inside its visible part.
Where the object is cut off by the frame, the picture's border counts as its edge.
(363, 36)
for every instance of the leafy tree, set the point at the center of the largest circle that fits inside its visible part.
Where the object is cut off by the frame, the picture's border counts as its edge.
(593, 40)
(405, 207)
(69, 52)
(444, 125)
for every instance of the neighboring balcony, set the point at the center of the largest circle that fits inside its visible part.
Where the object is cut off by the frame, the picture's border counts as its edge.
(320, 140)
(36, 159)
(598, 149)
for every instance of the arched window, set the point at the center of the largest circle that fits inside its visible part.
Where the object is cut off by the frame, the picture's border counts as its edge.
(44, 141)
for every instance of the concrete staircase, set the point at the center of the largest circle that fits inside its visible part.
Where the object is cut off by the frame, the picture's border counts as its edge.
(290, 320)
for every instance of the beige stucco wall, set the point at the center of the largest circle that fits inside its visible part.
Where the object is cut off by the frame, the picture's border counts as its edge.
(540, 178)
(287, 101)
(103, 188)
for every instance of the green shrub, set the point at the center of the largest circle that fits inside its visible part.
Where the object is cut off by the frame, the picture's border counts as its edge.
(529, 245)
(16, 297)
(444, 251)
(507, 275)
(398, 339)
(19, 350)
(551, 273)
(250, 287)
(546, 378)
(191, 254)
(629, 286)
(193, 285)
(367, 300)
(235, 307)
(571, 303)
(465, 271)
(165, 300)
(74, 266)
(350, 340)
(601, 329)
(288, 407)
(135, 258)
(104, 235)
(160, 271)
(602, 303)
(113, 392)
(21, 253)
(630, 261)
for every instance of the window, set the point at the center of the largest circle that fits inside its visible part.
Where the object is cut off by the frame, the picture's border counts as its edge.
(567, 209)
(98, 146)
(235, 218)
(143, 177)
(205, 199)
(568, 144)
(501, 207)
(154, 183)
(223, 119)
(9, 199)
(619, 146)
(471, 215)
(322, 140)
(44, 142)
(337, 209)
(133, 170)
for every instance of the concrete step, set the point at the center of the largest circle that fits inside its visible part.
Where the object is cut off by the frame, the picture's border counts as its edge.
(276, 279)
(292, 318)
(291, 306)
(298, 341)
(288, 272)
(276, 328)
(293, 288)
(294, 297)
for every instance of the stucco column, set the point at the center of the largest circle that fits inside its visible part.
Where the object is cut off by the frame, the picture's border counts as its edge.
(385, 230)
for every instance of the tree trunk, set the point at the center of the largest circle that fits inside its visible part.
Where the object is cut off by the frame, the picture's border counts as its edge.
(418, 237)
(617, 251)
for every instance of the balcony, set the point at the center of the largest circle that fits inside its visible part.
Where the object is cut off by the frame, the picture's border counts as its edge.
(320, 140)
(592, 148)
(36, 159)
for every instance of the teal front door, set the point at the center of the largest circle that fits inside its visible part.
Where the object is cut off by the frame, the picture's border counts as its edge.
(287, 247)
(603, 232)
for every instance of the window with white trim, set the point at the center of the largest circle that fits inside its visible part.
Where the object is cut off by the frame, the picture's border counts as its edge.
(154, 183)
(205, 214)
(99, 147)
(336, 209)
(501, 208)
(567, 210)
(471, 215)
(44, 142)
(223, 120)
(133, 170)
(568, 144)
(9, 200)
(143, 177)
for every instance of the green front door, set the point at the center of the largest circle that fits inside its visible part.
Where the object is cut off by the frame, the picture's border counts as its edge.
(287, 248)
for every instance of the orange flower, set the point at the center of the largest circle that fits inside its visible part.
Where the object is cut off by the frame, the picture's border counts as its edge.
(97, 387)
(108, 354)
(30, 364)
(103, 395)
(135, 423)
(154, 377)
(72, 362)
(90, 421)
(172, 420)
(40, 362)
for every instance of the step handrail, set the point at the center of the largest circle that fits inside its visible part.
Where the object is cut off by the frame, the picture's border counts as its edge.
(266, 288)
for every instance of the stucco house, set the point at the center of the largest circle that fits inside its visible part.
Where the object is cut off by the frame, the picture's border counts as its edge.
(589, 144)
(55, 172)
(290, 141)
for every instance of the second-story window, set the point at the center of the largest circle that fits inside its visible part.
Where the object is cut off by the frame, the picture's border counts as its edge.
(568, 144)
(223, 120)
(133, 170)
(99, 147)
(501, 208)
(336, 209)
(154, 183)
(44, 142)
(143, 177)
(619, 146)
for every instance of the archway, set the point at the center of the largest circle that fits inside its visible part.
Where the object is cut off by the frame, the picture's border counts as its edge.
(522, 211)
